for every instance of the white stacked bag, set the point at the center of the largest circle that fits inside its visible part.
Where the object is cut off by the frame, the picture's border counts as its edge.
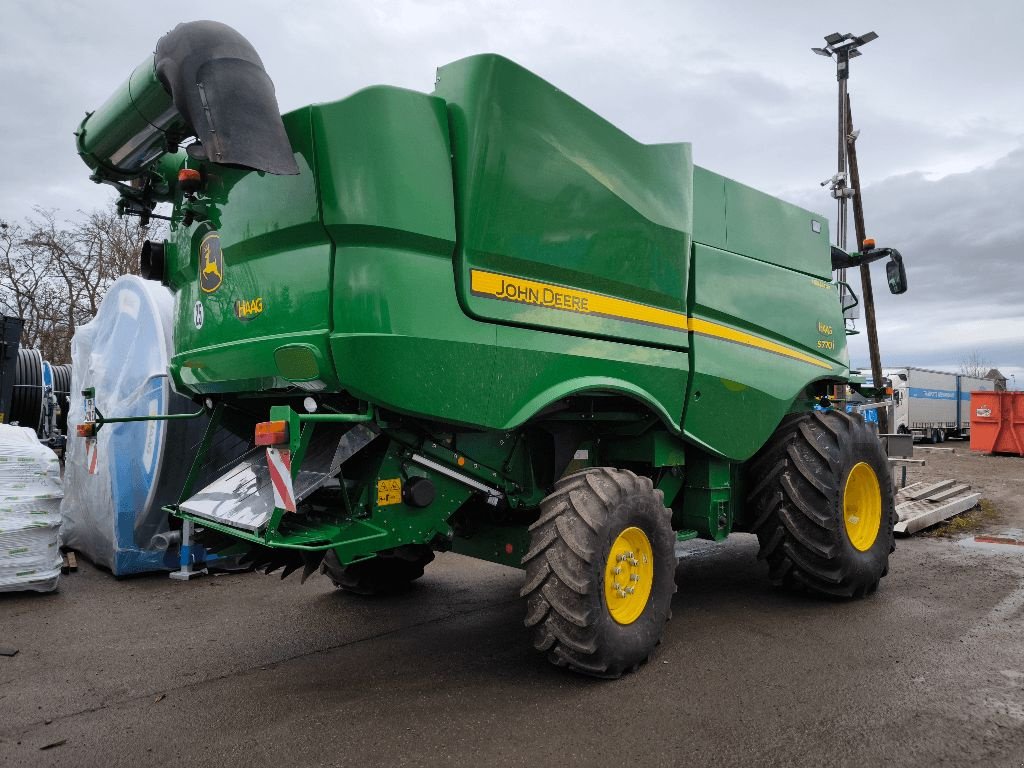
(30, 494)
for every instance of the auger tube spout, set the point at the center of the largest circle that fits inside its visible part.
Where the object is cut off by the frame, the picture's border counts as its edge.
(204, 80)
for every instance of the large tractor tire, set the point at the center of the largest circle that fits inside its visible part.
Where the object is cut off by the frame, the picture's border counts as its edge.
(600, 572)
(822, 502)
(390, 572)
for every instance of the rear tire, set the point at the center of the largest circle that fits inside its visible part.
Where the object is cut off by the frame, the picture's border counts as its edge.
(600, 572)
(390, 572)
(821, 497)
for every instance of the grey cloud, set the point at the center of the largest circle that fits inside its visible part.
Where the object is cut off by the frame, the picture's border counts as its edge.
(937, 92)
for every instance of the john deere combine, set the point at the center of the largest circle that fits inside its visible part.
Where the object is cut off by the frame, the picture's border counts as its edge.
(485, 320)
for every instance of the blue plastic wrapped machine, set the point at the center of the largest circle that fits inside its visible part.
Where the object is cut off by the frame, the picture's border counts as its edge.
(115, 485)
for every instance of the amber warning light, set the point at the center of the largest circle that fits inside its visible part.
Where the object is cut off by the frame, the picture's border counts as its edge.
(190, 180)
(272, 433)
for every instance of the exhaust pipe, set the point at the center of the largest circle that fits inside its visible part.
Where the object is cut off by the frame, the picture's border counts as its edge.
(205, 80)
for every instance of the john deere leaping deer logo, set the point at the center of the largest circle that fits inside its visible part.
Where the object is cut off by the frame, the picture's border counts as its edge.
(211, 263)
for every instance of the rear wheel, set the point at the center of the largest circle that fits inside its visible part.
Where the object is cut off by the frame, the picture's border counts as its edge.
(821, 497)
(600, 572)
(389, 572)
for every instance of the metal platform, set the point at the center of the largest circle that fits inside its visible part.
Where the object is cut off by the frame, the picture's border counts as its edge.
(243, 496)
(922, 504)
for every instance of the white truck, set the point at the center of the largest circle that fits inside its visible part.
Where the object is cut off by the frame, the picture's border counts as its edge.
(933, 404)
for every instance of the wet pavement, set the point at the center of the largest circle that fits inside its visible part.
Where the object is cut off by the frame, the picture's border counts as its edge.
(251, 670)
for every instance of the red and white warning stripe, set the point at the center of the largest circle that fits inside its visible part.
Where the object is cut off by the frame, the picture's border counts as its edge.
(279, 462)
(91, 455)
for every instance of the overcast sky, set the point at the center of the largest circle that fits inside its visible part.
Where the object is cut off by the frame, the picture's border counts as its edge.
(937, 99)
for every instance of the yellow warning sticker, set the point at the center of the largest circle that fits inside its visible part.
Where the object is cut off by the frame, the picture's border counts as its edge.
(389, 492)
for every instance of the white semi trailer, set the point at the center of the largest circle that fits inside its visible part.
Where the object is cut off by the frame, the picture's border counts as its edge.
(933, 404)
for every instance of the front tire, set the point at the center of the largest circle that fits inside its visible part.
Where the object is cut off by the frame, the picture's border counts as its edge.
(600, 572)
(823, 508)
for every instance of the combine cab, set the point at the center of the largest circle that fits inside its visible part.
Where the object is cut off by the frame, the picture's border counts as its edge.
(485, 320)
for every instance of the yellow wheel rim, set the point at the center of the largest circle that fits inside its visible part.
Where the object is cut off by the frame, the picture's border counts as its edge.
(628, 575)
(862, 506)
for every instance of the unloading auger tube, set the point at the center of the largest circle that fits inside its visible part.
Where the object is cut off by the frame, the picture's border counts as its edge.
(204, 81)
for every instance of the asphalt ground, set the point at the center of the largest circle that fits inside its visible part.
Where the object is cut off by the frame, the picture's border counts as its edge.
(249, 670)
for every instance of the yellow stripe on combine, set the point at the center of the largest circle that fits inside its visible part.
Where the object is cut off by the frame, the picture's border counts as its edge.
(570, 299)
(707, 328)
(521, 291)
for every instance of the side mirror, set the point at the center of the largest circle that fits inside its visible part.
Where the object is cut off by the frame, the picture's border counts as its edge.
(896, 274)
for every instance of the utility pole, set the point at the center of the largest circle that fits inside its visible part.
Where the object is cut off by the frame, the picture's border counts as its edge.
(867, 292)
(845, 185)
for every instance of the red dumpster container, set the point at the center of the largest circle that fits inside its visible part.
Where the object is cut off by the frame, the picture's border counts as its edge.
(997, 422)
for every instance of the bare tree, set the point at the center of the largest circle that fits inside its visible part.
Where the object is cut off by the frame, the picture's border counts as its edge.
(975, 365)
(54, 275)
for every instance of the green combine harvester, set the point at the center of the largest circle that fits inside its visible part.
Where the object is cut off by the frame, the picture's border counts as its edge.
(485, 320)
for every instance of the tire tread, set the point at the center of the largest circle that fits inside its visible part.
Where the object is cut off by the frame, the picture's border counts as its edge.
(791, 497)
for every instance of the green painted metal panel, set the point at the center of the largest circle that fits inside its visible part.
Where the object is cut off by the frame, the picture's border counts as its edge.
(655, 448)
(734, 217)
(402, 340)
(384, 168)
(793, 309)
(742, 388)
(708, 207)
(706, 502)
(548, 191)
(766, 228)
(506, 545)
(274, 249)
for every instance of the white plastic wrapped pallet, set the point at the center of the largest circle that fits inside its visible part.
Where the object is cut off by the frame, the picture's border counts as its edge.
(30, 495)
